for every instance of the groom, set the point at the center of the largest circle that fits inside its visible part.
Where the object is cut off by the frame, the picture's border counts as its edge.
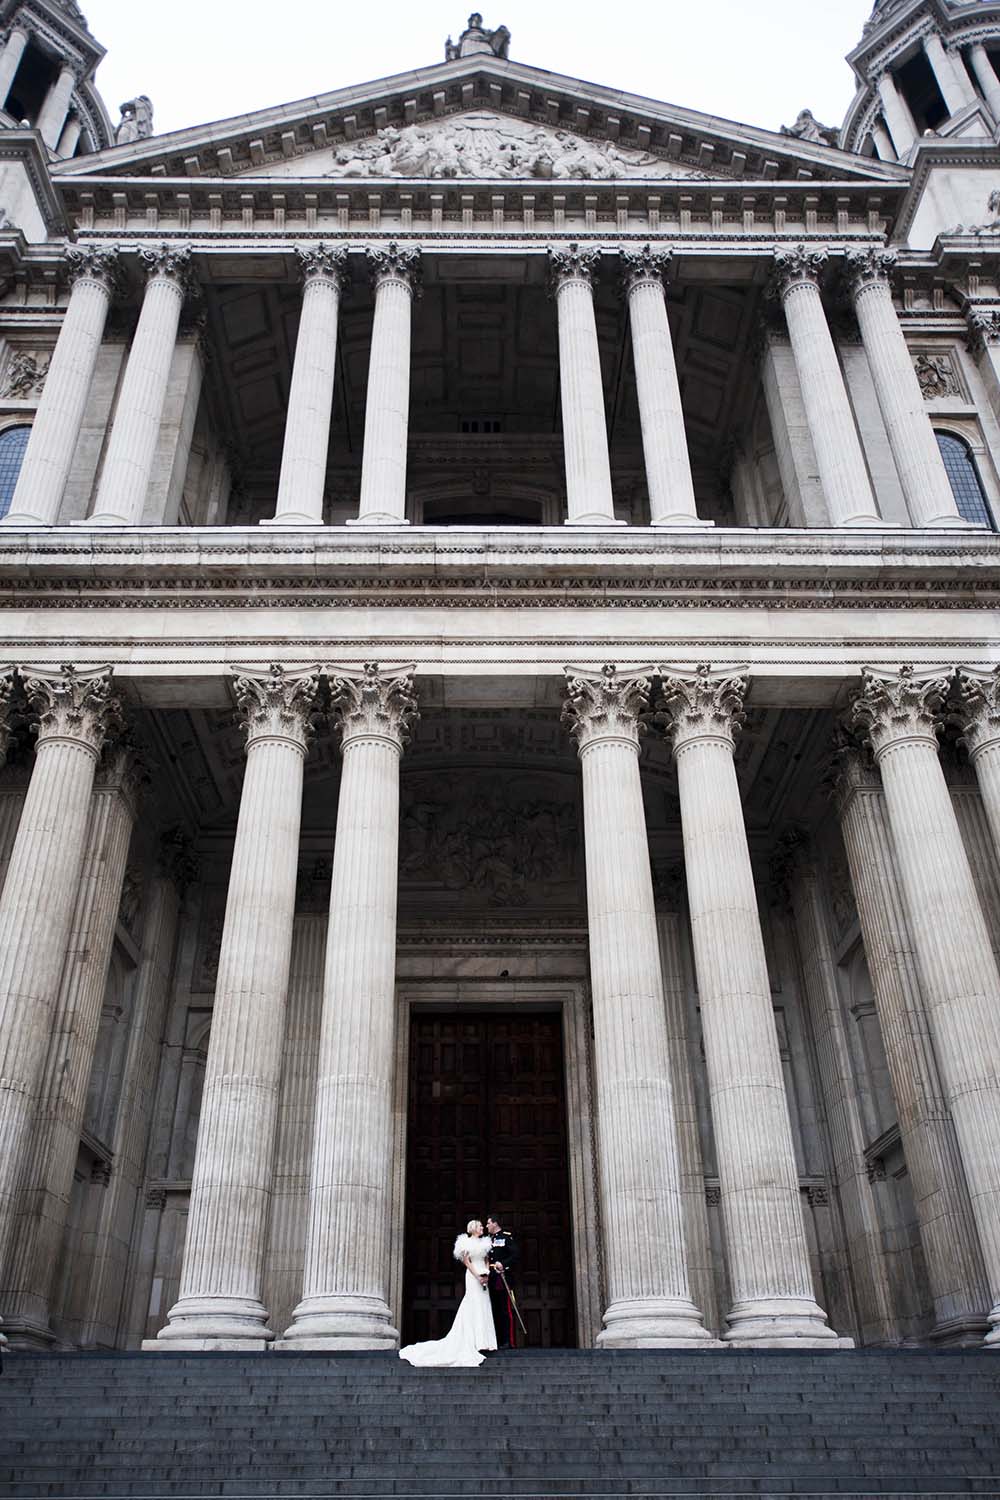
(503, 1256)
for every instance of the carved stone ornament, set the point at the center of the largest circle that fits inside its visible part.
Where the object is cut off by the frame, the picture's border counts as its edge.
(869, 269)
(93, 264)
(891, 708)
(136, 123)
(797, 267)
(24, 376)
(170, 261)
(936, 376)
(978, 712)
(808, 128)
(644, 267)
(280, 705)
(984, 327)
(125, 767)
(72, 705)
(131, 899)
(605, 705)
(850, 770)
(394, 262)
(327, 261)
(8, 693)
(176, 859)
(369, 704)
(476, 39)
(793, 853)
(705, 703)
(573, 263)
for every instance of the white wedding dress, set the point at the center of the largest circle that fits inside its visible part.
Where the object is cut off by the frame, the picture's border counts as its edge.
(473, 1328)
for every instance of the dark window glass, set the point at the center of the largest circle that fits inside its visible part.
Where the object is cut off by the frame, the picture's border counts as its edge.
(12, 445)
(965, 484)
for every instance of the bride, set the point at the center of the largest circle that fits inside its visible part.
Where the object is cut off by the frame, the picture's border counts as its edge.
(473, 1328)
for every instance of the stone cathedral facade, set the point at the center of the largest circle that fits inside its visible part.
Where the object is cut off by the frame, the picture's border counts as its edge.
(498, 629)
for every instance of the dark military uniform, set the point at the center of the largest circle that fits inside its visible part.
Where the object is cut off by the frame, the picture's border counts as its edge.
(506, 1252)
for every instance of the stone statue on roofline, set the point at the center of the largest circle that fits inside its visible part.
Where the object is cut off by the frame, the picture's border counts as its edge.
(136, 121)
(476, 38)
(808, 128)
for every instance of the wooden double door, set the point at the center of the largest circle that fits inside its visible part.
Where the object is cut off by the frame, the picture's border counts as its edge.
(486, 1133)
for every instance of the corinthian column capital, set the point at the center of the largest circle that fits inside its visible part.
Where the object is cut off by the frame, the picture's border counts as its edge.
(92, 263)
(373, 705)
(72, 705)
(870, 268)
(798, 267)
(984, 327)
(573, 263)
(277, 706)
(892, 708)
(326, 262)
(978, 712)
(850, 771)
(706, 704)
(394, 262)
(170, 262)
(645, 267)
(605, 706)
(8, 688)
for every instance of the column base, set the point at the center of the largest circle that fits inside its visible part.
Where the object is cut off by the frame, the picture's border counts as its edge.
(340, 1323)
(18, 519)
(992, 1339)
(960, 1333)
(103, 518)
(214, 1323)
(202, 1346)
(681, 521)
(654, 1323)
(867, 523)
(781, 1323)
(594, 518)
(377, 518)
(27, 1338)
(296, 518)
(949, 523)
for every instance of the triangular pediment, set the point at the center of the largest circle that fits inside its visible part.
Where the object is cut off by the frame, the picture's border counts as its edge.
(479, 119)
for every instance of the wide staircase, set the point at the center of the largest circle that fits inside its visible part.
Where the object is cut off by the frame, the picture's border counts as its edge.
(526, 1424)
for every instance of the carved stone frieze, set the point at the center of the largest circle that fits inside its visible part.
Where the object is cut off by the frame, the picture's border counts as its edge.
(73, 705)
(893, 707)
(936, 376)
(328, 262)
(644, 267)
(605, 706)
(394, 262)
(25, 375)
(573, 262)
(705, 703)
(280, 705)
(373, 704)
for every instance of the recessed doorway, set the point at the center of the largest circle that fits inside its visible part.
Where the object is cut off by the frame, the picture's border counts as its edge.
(486, 1132)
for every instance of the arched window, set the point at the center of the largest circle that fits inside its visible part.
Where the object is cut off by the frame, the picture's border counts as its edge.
(13, 442)
(965, 485)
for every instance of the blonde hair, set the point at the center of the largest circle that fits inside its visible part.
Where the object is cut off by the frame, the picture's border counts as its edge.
(472, 1224)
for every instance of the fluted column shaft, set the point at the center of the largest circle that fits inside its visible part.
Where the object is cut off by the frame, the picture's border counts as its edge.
(589, 497)
(70, 137)
(649, 1301)
(54, 1139)
(10, 58)
(899, 713)
(839, 458)
(921, 470)
(128, 462)
(948, 1234)
(220, 1304)
(345, 1285)
(387, 406)
(36, 907)
(980, 720)
(898, 118)
(773, 1300)
(56, 428)
(952, 79)
(986, 77)
(302, 483)
(664, 440)
(56, 107)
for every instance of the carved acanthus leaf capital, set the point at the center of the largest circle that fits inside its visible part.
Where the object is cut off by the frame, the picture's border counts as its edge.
(978, 710)
(328, 262)
(573, 262)
(605, 705)
(8, 694)
(797, 267)
(176, 858)
(893, 707)
(279, 705)
(72, 705)
(793, 855)
(171, 262)
(869, 268)
(984, 327)
(372, 704)
(126, 767)
(645, 267)
(850, 770)
(704, 704)
(394, 262)
(91, 263)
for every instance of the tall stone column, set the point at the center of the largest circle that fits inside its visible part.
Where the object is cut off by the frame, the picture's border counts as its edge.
(899, 714)
(952, 79)
(75, 712)
(70, 137)
(839, 458)
(345, 1287)
(395, 277)
(589, 497)
(979, 719)
(649, 1300)
(986, 77)
(15, 42)
(220, 1304)
(921, 470)
(898, 118)
(302, 484)
(664, 440)
(53, 113)
(56, 428)
(128, 462)
(799, 876)
(773, 1300)
(948, 1235)
(43, 1200)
